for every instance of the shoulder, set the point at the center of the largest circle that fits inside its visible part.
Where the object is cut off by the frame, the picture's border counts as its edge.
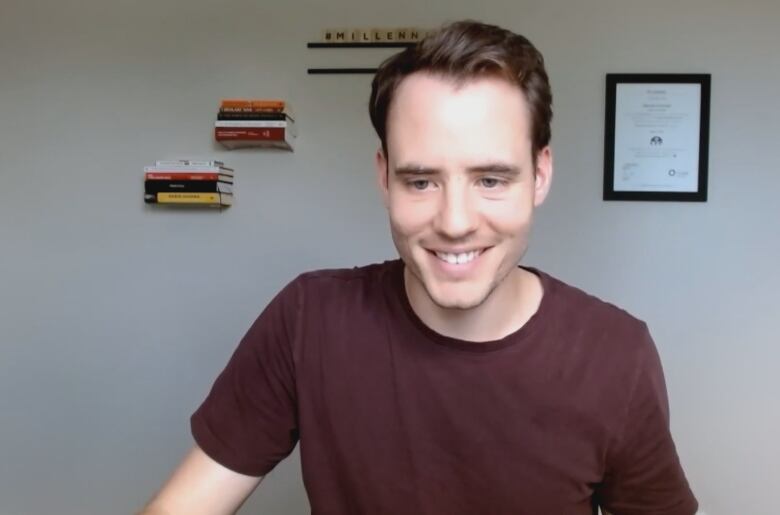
(368, 272)
(326, 289)
(335, 286)
(579, 304)
(593, 322)
(605, 346)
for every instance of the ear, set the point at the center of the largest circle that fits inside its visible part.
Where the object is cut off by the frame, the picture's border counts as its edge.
(544, 173)
(380, 162)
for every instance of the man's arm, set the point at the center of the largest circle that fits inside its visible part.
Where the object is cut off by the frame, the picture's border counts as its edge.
(643, 471)
(201, 486)
(247, 424)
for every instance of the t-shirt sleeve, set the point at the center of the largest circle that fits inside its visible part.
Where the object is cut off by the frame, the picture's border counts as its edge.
(643, 473)
(248, 422)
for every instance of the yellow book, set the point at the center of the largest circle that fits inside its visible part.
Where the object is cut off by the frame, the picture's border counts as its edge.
(194, 198)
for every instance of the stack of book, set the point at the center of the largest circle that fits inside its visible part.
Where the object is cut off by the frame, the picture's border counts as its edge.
(185, 182)
(243, 123)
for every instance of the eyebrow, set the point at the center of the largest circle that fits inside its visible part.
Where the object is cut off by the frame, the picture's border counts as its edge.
(494, 168)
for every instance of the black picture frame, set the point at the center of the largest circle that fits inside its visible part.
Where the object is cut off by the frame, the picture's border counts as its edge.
(613, 80)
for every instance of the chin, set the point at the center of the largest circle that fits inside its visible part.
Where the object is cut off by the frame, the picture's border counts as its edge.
(462, 304)
(454, 295)
(461, 297)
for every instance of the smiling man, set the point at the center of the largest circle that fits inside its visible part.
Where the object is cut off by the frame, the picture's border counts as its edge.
(451, 381)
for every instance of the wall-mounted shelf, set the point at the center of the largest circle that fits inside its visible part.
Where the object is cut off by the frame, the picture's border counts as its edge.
(360, 45)
(352, 71)
(339, 71)
(188, 183)
(255, 123)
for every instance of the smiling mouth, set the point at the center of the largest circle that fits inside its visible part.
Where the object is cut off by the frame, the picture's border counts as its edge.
(458, 259)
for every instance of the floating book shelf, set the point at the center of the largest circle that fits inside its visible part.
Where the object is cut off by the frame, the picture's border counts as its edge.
(339, 71)
(345, 71)
(375, 44)
(255, 123)
(188, 183)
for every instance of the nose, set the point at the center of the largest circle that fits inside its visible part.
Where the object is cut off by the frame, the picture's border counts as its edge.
(457, 216)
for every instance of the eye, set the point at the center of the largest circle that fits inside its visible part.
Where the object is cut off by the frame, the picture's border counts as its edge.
(420, 184)
(490, 182)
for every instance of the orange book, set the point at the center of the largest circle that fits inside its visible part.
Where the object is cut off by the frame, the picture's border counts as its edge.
(252, 104)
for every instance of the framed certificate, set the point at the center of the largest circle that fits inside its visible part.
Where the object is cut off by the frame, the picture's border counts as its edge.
(656, 137)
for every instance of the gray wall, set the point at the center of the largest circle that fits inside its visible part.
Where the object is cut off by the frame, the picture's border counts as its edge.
(115, 318)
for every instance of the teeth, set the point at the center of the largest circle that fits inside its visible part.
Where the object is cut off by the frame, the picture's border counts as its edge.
(458, 259)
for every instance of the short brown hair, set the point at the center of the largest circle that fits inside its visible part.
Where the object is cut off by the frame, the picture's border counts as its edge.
(467, 50)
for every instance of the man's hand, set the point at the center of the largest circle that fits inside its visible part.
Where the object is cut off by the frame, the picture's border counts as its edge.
(201, 486)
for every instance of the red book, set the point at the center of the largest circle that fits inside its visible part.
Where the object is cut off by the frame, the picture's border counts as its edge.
(178, 176)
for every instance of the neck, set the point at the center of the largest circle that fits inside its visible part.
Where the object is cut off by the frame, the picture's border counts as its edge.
(507, 309)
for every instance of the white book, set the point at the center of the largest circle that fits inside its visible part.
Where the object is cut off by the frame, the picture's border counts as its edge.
(252, 123)
(189, 168)
(188, 162)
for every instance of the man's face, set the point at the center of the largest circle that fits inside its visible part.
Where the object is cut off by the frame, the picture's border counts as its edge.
(459, 184)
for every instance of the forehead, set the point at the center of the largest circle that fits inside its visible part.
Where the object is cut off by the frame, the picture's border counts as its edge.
(436, 117)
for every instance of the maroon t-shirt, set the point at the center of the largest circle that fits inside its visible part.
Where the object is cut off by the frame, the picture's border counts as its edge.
(393, 418)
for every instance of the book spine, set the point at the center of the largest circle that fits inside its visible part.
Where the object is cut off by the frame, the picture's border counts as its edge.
(255, 143)
(176, 176)
(252, 115)
(250, 110)
(188, 162)
(270, 133)
(188, 169)
(188, 198)
(252, 104)
(250, 123)
(187, 186)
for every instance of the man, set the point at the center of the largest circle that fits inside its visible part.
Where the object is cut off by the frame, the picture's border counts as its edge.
(451, 381)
